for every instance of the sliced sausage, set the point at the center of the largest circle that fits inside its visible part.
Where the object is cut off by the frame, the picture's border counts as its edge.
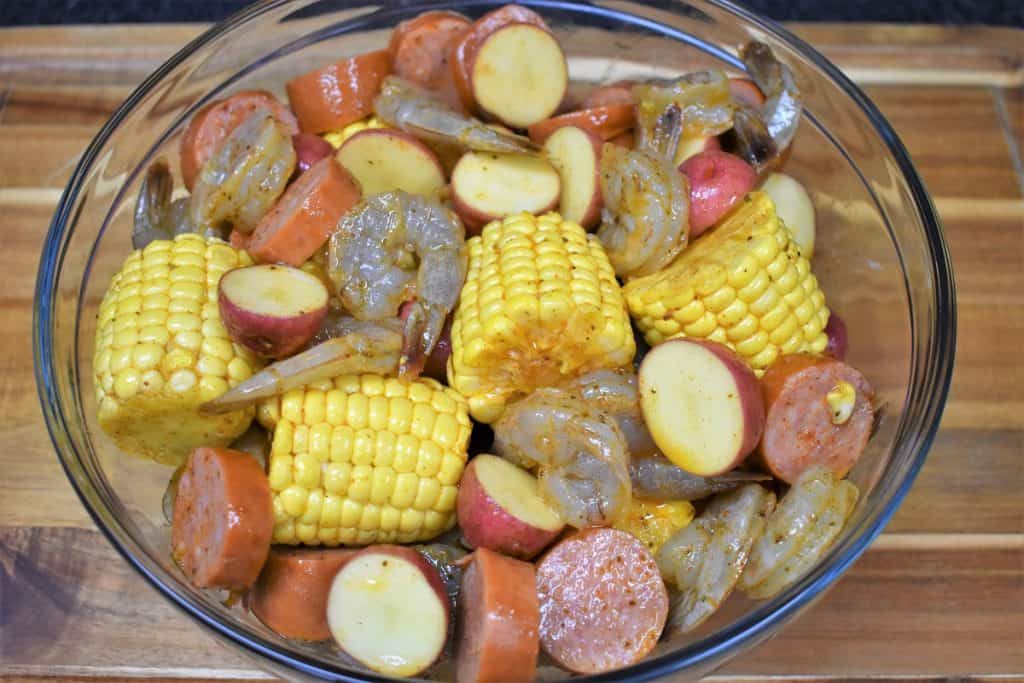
(626, 140)
(338, 94)
(620, 92)
(223, 519)
(604, 122)
(603, 603)
(747, 92)
(800, 430)
(214, 122)
(420, 50)
(291, 594)
(498, 622)
(305, 215)
(462, 52)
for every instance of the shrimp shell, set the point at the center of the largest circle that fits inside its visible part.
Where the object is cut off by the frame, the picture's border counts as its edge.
(580, 452)
(615, 392)
(152, 205)
(655, 478)
(782, 106)
(239, 184)
(806, 523)
(704, 100)
(705, 559)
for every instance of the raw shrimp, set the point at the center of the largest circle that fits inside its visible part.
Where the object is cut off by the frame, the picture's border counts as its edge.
(394, 247)
(803, 527)
(580, 454)
(705, 559)
(704, 100)
(156, 216)
(645, 221)
(360, 347)
(240, 183)
(654, 477)
(416, 111)
(615, 392)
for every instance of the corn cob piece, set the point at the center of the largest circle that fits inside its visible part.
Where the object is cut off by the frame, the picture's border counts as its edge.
(653, 522)
(365, 459)
(540, 304)
(338, 137)
(161, 350)
(744, 284)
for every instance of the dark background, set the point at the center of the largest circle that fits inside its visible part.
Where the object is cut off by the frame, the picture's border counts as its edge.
(1000, 12)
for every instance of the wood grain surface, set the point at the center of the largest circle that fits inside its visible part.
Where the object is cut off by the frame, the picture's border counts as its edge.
(939, 597)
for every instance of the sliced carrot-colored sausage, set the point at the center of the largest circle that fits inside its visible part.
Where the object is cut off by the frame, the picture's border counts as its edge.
(291, 594)
(802, 394)
(603, 603)
(604, 122)
(463, 51)
(499, 621)
(336, 95)
(305, 215)
(420, 50)
(620, 92)
(746, 91)
(626, 140)
(214, 122)
(223, 519)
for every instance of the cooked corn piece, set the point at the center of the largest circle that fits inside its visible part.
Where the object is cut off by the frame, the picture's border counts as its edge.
(161, 351)
(540, 304)
(744, 284)
(653, 522)
(365, 459)
(338, 137)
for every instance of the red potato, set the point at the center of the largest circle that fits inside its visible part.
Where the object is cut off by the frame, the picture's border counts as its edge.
(576, 153)
(603, 603)
(604, 122)
(838, 340)
(689, 147)
(387, 609)
(499, 507)
(499, 621)
(305, 215)
(223, 519)
(290, 596)
(271, 310)
(310, 149)
(794, 207)
(487, 186)
(384, 159)
(702, 404)
(519, 75)
(746, 91)
(214, 122)
(336, 95)
(420, 51)
(717, 181)
(811, 420)
(619, 92)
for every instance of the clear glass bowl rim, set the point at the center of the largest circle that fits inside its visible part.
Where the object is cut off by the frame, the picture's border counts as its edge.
(921, 418)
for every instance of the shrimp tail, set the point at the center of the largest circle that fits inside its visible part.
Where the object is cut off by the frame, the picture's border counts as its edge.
(751, 140)
(667, 132)
(422, 330)
(781, 110)
(152, 208)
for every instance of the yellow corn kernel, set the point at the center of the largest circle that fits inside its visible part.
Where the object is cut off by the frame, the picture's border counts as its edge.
(841, 400)
(753, 290)
(343, 474)
(338, 137)
(540, 303)
(154, 362)
(654, 523)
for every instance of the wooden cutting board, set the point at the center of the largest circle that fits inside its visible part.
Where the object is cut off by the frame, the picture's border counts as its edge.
(939, 596)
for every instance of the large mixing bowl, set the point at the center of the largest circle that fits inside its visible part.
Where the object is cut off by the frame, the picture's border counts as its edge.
(880, 257)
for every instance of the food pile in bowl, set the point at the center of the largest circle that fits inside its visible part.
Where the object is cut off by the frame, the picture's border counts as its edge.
(451, 365)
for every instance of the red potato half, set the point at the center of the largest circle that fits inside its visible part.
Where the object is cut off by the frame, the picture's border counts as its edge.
(576, 153)
(838, 339)
(500, 508)
(717, 181)
(702, 405)
(388, 610)
(519, 75)
(384, 159)
(794, 207)
(310, 149)
(272, 310)
(487, 186)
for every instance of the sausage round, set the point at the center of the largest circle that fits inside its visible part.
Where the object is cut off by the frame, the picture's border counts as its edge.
(336, 95)
(499, 620)
(223, 519)
(799, 431)
(213, 123)
(420, 48)
(603, 603)
(291, 594)
(620, 92)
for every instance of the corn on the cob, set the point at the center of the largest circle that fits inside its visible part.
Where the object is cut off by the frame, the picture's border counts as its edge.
(744, 284)
(365, 459)
(161, 350)
(540, 303)
(654, 523)
(338, 137)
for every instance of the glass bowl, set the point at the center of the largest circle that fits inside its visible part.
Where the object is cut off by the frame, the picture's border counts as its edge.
(880, 257)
